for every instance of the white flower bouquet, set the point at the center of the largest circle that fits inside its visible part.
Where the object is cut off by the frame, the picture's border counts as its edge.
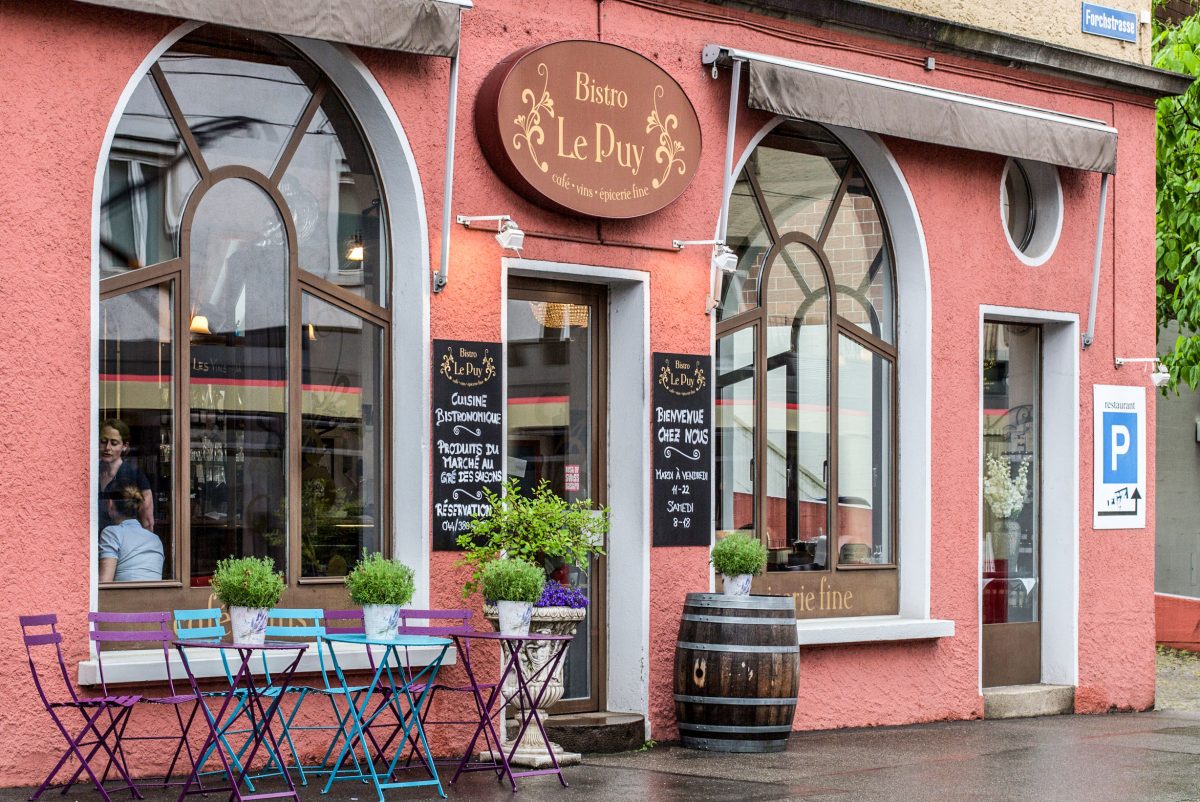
(1003, 492)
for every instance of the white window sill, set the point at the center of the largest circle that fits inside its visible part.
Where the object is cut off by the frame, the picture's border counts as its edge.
(870, 629)
(146, 665)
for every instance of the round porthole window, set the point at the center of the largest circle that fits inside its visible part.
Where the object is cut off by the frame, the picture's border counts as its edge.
(1031, 209)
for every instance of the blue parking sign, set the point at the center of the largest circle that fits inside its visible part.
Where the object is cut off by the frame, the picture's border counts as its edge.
(1120, 450)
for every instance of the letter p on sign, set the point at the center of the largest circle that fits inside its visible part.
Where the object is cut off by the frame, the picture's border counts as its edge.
(1120, 448)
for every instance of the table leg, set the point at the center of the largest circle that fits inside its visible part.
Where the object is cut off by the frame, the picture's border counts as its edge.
(486, 728)
(523, 692)
(355, 713)
(415, 707)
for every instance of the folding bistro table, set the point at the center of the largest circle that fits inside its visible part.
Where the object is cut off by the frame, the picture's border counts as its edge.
(243, 684)
(530, 688)
(402, 682)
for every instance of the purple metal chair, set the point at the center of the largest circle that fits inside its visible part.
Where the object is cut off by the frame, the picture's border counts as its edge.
(104, 717)
(441, 623)
(161, 633)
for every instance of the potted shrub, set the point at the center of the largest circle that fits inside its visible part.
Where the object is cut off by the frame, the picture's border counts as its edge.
(381, 586)
(249, 587)
(739, 557)
(514, 585)
(540, 528)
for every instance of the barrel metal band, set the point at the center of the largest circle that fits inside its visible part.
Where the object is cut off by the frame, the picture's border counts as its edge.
(740, 603)
(727, 728)
(725, 700)
(733, 745)
(734, 647)
(738, 619)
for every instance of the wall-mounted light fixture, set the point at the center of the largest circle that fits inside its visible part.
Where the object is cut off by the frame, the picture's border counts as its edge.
(724, 262)
(508, 234)
(1159, 377)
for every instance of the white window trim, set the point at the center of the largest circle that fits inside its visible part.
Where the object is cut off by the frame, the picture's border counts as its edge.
(146, 665)
(914, 342)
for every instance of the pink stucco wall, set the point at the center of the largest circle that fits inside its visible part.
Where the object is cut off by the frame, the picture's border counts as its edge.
(65, 65)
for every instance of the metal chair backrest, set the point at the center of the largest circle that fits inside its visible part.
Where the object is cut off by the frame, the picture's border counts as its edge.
(442, 623)
(295, 623)
(37, 641)
(202, 624)
(162, 634)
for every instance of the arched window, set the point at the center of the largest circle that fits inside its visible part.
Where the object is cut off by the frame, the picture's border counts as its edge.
(806, 376)
(244, 321)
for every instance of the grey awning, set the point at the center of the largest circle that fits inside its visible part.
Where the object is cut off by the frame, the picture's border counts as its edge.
(855, 100)
(426, 27)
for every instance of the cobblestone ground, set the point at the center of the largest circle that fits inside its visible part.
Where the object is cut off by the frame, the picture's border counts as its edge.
(1178, 680)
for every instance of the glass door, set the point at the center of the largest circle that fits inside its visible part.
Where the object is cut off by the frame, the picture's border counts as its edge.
(1012, 366)
(556, 399)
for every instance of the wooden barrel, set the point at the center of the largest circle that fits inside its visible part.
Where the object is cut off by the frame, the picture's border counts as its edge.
(737, 672)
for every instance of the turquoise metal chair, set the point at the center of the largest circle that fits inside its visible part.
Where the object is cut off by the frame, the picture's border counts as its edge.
(205, 625)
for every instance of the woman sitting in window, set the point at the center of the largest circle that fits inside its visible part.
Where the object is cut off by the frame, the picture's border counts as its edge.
(129, 552)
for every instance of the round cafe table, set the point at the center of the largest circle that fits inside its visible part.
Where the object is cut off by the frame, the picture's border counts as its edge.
(251, 696)
(530, 688)
(395, 681)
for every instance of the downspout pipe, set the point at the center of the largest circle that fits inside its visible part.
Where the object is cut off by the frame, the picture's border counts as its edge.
(1089, 335)
(441, 277)
(710, 56)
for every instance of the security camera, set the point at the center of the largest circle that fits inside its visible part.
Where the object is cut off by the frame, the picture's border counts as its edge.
(724, 259)
(510, 236)
(1161, 377)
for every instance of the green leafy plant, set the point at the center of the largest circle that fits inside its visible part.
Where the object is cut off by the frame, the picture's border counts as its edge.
(739, 553)
(247, 582)
(1177, 48)
(378, 580)
(512, 580)
(539, 528)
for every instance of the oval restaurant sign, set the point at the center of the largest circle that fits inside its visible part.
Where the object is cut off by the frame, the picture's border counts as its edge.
(588, 128)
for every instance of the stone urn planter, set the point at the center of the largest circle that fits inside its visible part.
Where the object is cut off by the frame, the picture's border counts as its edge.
(550, 621)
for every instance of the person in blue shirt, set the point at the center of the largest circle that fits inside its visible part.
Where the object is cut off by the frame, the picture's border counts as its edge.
(129, 552)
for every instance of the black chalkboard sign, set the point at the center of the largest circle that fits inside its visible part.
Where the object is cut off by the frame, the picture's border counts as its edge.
(468, 432)
(682, 430)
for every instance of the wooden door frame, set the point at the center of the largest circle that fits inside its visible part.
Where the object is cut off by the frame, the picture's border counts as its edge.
(595, 296)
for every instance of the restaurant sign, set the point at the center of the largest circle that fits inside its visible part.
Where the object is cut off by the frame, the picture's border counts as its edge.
(588, 128)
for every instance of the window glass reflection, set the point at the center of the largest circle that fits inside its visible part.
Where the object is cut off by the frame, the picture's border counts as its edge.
(1011, 472)
(864, 455)
(797, 437)
(748, 237)
(136, 432)
(147, 181)
(734, 430)
(334, 197)
(238, 378)
(858, 256)
(341, 459)
(248, 125)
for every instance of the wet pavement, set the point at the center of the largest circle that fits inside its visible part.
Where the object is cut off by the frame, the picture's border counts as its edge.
(1123, 757)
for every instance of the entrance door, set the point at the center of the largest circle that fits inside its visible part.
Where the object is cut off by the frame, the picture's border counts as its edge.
(1011, 583)
(557, 365)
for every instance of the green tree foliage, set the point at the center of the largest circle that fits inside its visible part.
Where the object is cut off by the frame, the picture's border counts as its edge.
(1177, 48)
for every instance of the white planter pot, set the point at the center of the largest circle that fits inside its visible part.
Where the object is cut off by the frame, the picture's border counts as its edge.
(737, 585)
(514, 617)
(249, 625)
(381, 621)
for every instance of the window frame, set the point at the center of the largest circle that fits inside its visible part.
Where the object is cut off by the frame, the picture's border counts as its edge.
(836, 326)
(300, 590)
